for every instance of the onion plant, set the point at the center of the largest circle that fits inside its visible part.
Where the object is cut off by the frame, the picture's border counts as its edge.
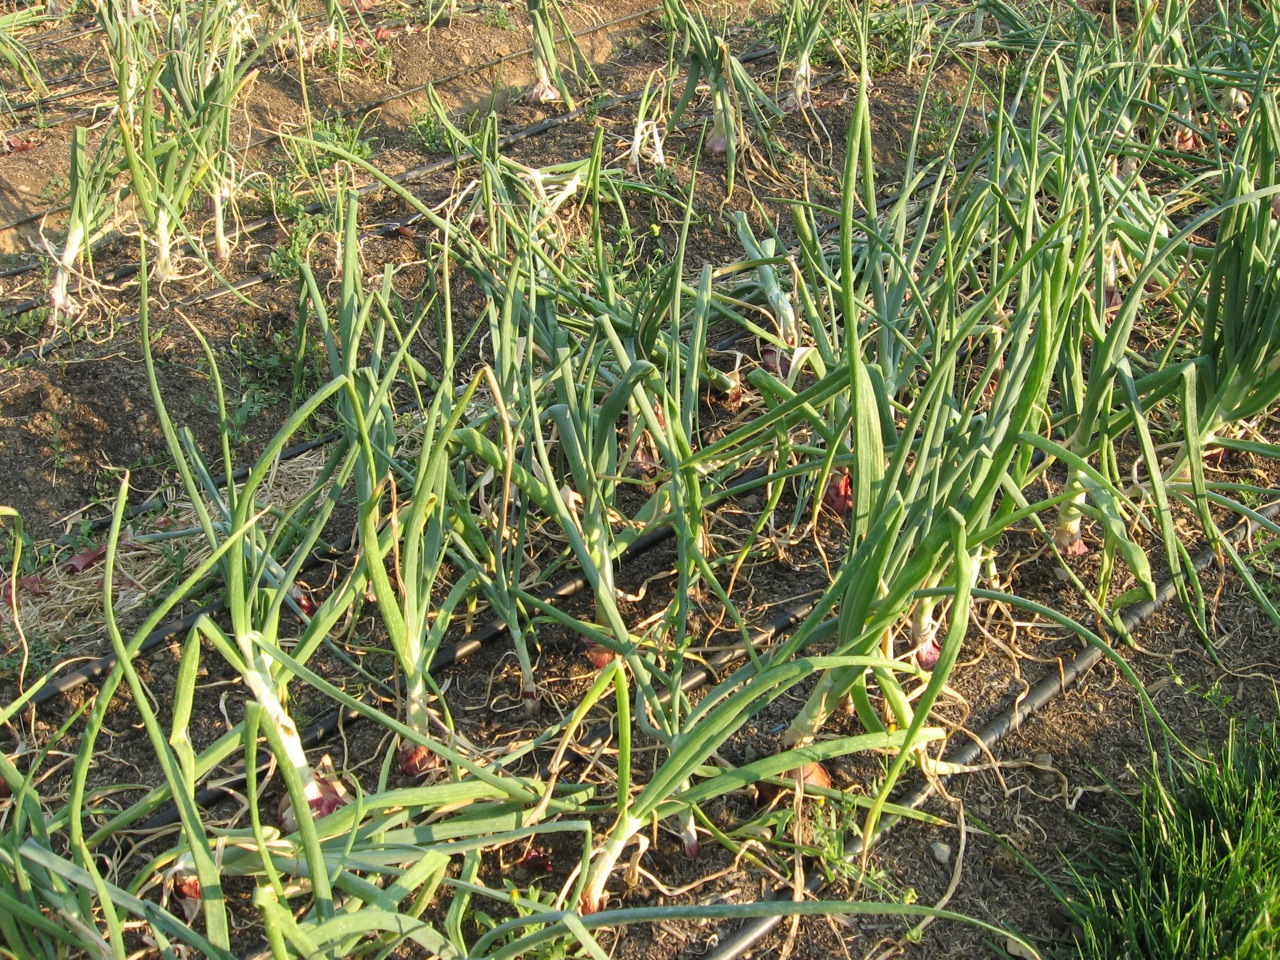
(546, 363)
(1131, 226)
(802, 32)
(414, 534)
(934, 441)
(946, 465)
(493, 537)
(176, 128)
(1235, 377)
(1239, 370)
(132, 44)
(57, 867)
(14, 52)
(92, 175)
(733, 91)
(259, 586)
(590, 356)
(549, 84)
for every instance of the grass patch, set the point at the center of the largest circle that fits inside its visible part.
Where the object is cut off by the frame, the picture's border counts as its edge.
(1201, 875)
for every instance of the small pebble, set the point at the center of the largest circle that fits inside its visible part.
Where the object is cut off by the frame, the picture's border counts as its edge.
(941, 851)
(1043, 760)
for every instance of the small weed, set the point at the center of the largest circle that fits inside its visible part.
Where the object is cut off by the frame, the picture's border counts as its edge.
(527, 902)
(340, 132)
(591, 111)
(31, 323)
(40, 655)
(275, 361)
(60, 457)
(34, 556)
(380, 62)
(335, 131)
(287, 258)
(938, 121)
(1218, 696)
(262, 357)
(175, 558)
(252, 403)
(55, 190)
(429, 130)
(300, 227)
(359, 55)
(499, 17)
(899, 41)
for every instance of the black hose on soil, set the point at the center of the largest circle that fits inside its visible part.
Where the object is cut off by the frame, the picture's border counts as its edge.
(1004, 724)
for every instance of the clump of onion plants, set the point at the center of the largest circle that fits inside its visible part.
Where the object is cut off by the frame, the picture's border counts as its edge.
(403, 511)
(16, 53)
(177, 91)
(738, 105)
(549, 84)
(92, 175)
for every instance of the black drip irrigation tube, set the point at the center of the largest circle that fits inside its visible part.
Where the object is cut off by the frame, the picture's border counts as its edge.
(1008, 721)
(58, 98)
